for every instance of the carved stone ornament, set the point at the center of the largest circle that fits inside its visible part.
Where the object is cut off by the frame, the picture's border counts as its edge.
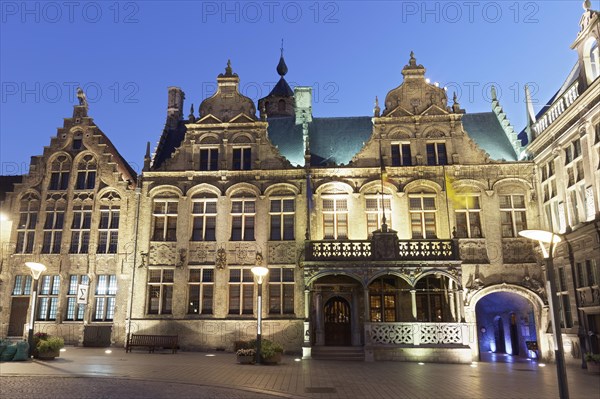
(221, 260)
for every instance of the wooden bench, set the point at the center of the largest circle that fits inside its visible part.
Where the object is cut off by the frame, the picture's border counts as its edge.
(152, 342)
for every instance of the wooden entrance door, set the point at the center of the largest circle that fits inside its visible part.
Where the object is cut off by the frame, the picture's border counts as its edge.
(337, 322)
(18, 316)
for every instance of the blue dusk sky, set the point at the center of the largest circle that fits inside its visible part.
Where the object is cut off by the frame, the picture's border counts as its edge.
(125, 55)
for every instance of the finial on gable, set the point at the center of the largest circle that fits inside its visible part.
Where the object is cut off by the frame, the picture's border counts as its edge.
(587, 5)
(376, 109)
(413, 60)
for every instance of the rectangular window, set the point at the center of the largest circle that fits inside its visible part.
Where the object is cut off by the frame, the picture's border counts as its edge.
(281, 290)
(204, 219)
(282, 213)
(48, 288)
(200, 291)
(160, 291)
(335, 218)
(512, 214)
(242, 158)
(75, 311)
(59, 180)
(468, 217)
(241, 291)
(22, 285)
(590, 272)
(86, 180)
(108, 229)
(165, 220)
(106, 291)
(80, 229)
(401, 155)
(55, 215)
(436, 154)
(374, 212)
(209, 159)
(422, 216)
(28, 214)
(566, 318)
(243, 212)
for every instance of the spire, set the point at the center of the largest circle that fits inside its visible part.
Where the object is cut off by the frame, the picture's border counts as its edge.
(282, 68)
(191, 117)
(530, 115)
(147, 158)
(376, 109)
(456, 106)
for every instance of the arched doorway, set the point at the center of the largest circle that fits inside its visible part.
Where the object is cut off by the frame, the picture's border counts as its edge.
(506, 325)
(337, 322)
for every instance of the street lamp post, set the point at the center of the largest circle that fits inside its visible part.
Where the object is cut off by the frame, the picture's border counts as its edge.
(259, 272)
(546, 237)
(36, 269)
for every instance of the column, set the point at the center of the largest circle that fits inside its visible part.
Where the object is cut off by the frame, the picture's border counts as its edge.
(354, 321)
(320, 333)
(306, 349)
(461, 306)
(413, 300)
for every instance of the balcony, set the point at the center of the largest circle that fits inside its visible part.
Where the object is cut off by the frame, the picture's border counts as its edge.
(381, 249)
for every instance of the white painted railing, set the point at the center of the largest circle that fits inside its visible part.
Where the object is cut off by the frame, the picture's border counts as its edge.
(415, 334)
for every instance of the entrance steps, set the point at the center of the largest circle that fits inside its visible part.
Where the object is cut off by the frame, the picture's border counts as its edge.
(351, 353)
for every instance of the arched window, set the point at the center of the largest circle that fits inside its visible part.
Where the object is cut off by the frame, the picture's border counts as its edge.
(53, 225)
(389, 300)
(108, 228)
(59, 176)
(86, 173)
(281, 106)
(28, 214)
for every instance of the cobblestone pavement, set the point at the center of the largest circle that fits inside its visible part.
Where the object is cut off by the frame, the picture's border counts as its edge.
(92, 373)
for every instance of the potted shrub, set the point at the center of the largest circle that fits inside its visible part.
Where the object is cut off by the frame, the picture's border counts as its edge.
(593, 362)
(47, 347)
(270, 352)
(246, 356)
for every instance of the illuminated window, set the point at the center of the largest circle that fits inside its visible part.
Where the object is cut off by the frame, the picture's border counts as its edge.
(335, 218)
(433, 299)
(49, 287)
(106, 291)
(160, 291)
(75, 311)
(22, 285)
(200, 290)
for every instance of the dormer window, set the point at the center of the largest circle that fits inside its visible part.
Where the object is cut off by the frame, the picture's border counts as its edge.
(436, 154)
(591, 60)
(242, 158)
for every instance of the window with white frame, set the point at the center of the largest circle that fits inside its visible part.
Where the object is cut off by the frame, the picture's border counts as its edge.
(106, 292)
(80, 228)
(108, 228)
(335, 218)
(512, 214)
(281, 290)
(243, 213)
(164, 217)
(53, 227)
(566, 317)
(86, 174)
(281, 214)
(401, 155)
(242, 158)
(49, 287)
(436, 154)
(375, 211)
(22, 285)
(209, 159)
(468, 216)
(241, 291)
(204, 218)
(75, 311)
(576, 202)
(59, 175)
(422, 211)
(160, 291)
(200, 290)
(28, 214)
